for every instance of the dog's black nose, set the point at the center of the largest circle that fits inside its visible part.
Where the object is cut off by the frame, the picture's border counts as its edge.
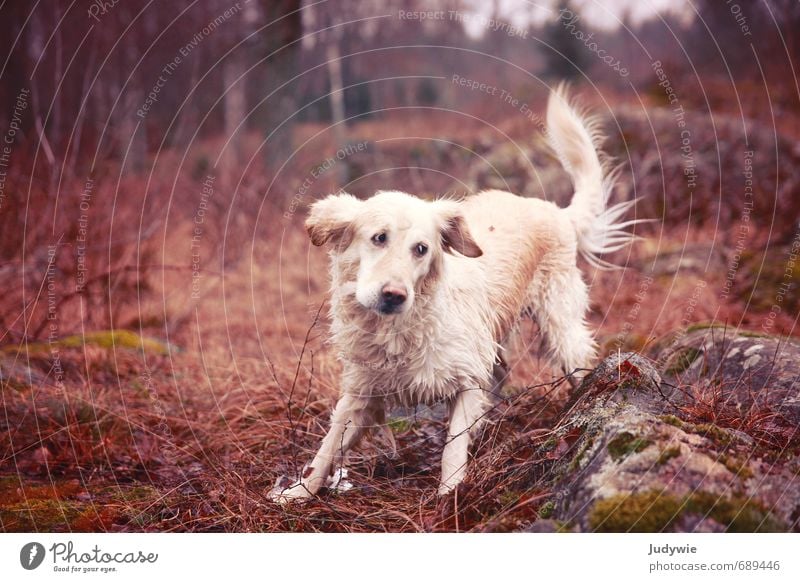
(391, 298)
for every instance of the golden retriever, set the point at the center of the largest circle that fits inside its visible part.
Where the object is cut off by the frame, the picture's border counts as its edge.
(425, 294)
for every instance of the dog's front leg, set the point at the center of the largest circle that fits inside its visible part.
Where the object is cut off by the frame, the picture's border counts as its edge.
(352, 416)
(466, 414)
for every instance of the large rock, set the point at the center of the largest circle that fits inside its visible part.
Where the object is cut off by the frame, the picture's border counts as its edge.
(641, 458)
(750, 373)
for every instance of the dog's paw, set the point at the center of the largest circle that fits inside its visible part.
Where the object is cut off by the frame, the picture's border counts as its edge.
(286, 491)
(290, 493)
(446, 488)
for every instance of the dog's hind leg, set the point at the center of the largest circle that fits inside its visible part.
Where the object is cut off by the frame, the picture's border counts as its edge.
(466, 413)
(560, 301)
(351, 418)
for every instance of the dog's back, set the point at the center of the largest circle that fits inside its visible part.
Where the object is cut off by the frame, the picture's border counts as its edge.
(527, 241)
(515, 234)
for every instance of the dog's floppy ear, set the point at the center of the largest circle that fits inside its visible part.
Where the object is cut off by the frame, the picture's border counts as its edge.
(455, 234)
(331, 220)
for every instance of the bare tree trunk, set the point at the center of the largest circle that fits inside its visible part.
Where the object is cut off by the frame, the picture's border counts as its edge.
(337, 104)
(281, 66)
(235, 109)
(132, 140)
(75, 142)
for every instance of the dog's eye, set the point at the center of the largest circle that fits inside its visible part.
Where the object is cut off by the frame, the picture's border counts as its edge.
(421, 249)
(379, 238)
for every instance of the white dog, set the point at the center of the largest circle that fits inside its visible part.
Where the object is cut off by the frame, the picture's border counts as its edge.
(424, 295)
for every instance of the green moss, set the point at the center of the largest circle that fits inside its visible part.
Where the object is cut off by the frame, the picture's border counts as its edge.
(139, 504)
(625, 443)
(134, 493)
(703, 325)
(669, 453)
(546, 510)
(738, 514)
(112, 339)
(120, 338)
(399, 424)
(549, 444)
(50, 515)
(60, 506)
(682, 359)
(736, 466)
(672, 420)
(637, 512)
(25, 507)
(756, 334)
(576, 461)
(507, 498)
(654, 511)
(709, 430)
(713, 432)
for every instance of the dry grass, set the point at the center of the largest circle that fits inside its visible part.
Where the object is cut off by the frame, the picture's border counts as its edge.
(719, 403)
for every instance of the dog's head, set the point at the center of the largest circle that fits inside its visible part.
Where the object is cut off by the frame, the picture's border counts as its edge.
(395, 241)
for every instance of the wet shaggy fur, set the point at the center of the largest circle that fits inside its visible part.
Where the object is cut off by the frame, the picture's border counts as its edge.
(464, 271)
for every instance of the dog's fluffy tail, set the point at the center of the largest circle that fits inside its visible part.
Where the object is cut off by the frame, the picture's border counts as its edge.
(575, 137)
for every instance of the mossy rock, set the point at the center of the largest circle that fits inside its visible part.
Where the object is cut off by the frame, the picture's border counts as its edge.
(743, 372)
(637, 512)
(658, 511)
(682, 360)
(625, 373)
(672, 420)
(657, 464)
(717, 434)
(625, 443)
(711, 431)
(578, 460)
(737, 514)
(668, 454)
(736, 465)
